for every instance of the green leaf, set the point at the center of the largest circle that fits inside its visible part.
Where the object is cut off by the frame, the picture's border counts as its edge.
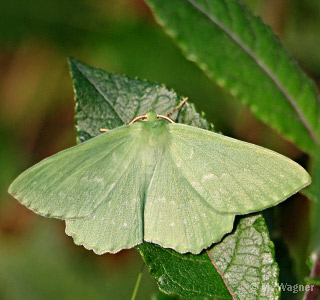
(243, 55)
(88, 84)
(313, 192)
(244, 258)
(162, 296)
(118, 99)
(186, 275)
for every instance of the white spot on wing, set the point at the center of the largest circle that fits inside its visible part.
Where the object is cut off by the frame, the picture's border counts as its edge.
(195, 184)
(207, 177)
(162, 199)
(98, 180)
(191, 153)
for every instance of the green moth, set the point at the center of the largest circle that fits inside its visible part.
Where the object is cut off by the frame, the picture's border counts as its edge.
(171, 184)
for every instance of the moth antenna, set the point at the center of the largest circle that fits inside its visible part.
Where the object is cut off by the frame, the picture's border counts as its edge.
(178, 106)
(137, 118)
(104, 130)
(166, 118)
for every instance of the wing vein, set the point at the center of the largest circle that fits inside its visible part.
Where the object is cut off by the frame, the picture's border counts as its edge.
(75, 171)
(231, 158)
(201, 197)
(221, 182)
(111, 105)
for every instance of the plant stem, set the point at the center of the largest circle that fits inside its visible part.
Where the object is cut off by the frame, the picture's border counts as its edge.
(314, 291)
(136, 288)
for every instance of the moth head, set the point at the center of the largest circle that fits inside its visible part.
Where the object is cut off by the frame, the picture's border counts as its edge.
(151, 116)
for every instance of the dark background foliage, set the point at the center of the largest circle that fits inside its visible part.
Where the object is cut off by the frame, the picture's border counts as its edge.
(36, 120)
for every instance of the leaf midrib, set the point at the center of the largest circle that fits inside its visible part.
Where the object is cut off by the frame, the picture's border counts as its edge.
(98, 90)
(261, 65)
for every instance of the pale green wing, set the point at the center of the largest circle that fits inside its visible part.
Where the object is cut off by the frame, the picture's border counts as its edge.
(176, 215)
(117, 223)
(73, 182)
(234, 176)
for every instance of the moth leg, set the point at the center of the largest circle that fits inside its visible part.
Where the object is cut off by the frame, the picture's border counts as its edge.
(178, 116)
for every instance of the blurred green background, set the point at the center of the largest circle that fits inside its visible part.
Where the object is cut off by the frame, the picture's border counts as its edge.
(37, 260)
